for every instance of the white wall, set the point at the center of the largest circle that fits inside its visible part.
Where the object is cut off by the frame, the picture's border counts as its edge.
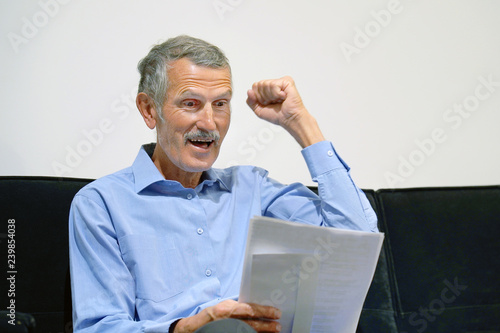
(383, 78)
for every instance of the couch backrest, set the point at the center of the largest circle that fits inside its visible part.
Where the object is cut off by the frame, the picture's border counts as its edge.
(379, 312)
(443, 249)
(40, 208)
(438, 270)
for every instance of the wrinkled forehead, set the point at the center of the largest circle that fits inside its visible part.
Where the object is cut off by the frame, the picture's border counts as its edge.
(187, 77)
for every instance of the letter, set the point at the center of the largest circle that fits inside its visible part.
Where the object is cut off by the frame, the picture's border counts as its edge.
(392, 179)
(221, 8)
(383, 17)
(393, 6)
(51, 7)
(372, 32)
(94, 136)
(467, 103)
(253, 141)
(15, 40)
(277, 297)
(267, 303)
(309, 264)
(348, 50)
(123, 110)
(446, 299)
(420, 321)
(405, 169)
(318, 256)
(242, 150)
(426, 145)
(452, 118)
(439, 303)
(28, 30)
(490, 84)
(302, 276)
(438, 135)
(60, 169)
(12, 321)
(40, 16)
(458, 109)
(328, 245)
(416, 158)
(106, 125)
(268, 137)
(425, 313)
(480, 95)
(72, 158)
(129, 100)
(361, 43)
(84, 148)
(12, 304)
(455, 287)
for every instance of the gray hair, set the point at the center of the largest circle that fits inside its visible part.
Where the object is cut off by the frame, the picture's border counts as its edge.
(154, 80)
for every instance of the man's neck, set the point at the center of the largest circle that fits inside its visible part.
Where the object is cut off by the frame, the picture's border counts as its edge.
(171, 172)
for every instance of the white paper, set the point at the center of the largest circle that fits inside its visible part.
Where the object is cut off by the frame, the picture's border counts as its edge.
(317, 276)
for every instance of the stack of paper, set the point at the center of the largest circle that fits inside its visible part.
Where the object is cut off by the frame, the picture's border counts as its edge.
(318, 277)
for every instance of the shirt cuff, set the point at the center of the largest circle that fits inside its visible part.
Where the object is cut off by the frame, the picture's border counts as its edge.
(172, 326)
(321, 157)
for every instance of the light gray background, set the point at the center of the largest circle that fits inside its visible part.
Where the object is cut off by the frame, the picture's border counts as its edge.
(381, 77)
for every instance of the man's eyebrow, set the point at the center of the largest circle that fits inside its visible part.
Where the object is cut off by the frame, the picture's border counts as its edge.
(228, 93)
(190, 93)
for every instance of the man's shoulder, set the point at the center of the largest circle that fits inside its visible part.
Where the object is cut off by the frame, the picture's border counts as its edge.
(238, 173)
(118, 181)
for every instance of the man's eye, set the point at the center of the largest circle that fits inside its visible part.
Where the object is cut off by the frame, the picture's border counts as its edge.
(189, 104)
(220, 103)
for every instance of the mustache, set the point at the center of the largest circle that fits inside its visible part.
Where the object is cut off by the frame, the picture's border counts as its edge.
(202, 135)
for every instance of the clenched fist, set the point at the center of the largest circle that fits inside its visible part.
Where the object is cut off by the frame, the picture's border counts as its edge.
(279, 102)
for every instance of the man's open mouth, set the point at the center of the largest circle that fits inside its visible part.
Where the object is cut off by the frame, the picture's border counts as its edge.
(202, 139)
(202, 143)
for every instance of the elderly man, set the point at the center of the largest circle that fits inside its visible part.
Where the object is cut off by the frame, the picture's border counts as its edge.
(159, 246)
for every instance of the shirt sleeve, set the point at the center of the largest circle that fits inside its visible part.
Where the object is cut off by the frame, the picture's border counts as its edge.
(339, 203)
(103, 292)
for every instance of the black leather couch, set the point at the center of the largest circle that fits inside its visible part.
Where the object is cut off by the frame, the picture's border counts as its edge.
(438, 271)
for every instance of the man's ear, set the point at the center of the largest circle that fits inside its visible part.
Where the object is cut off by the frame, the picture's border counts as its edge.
(147, 109)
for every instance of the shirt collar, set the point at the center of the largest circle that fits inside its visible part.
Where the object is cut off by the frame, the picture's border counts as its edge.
(212, 176)
(146, 173)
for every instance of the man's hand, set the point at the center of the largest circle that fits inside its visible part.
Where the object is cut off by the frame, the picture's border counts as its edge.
(261, 318)
(279, 102)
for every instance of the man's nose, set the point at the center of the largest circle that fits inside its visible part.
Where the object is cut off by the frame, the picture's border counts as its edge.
(206, 118)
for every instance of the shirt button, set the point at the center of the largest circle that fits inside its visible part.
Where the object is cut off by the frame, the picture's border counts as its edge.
(330, 153)
(189, 196)
(208, 272)
(199, 231)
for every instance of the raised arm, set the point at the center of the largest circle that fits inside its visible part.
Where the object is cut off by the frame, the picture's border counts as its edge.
(341, 203)
(279, 102)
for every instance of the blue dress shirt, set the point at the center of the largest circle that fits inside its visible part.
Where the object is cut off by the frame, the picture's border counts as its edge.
(145, 251)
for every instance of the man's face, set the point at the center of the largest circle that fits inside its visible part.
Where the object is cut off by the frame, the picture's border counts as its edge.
(197, 115)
